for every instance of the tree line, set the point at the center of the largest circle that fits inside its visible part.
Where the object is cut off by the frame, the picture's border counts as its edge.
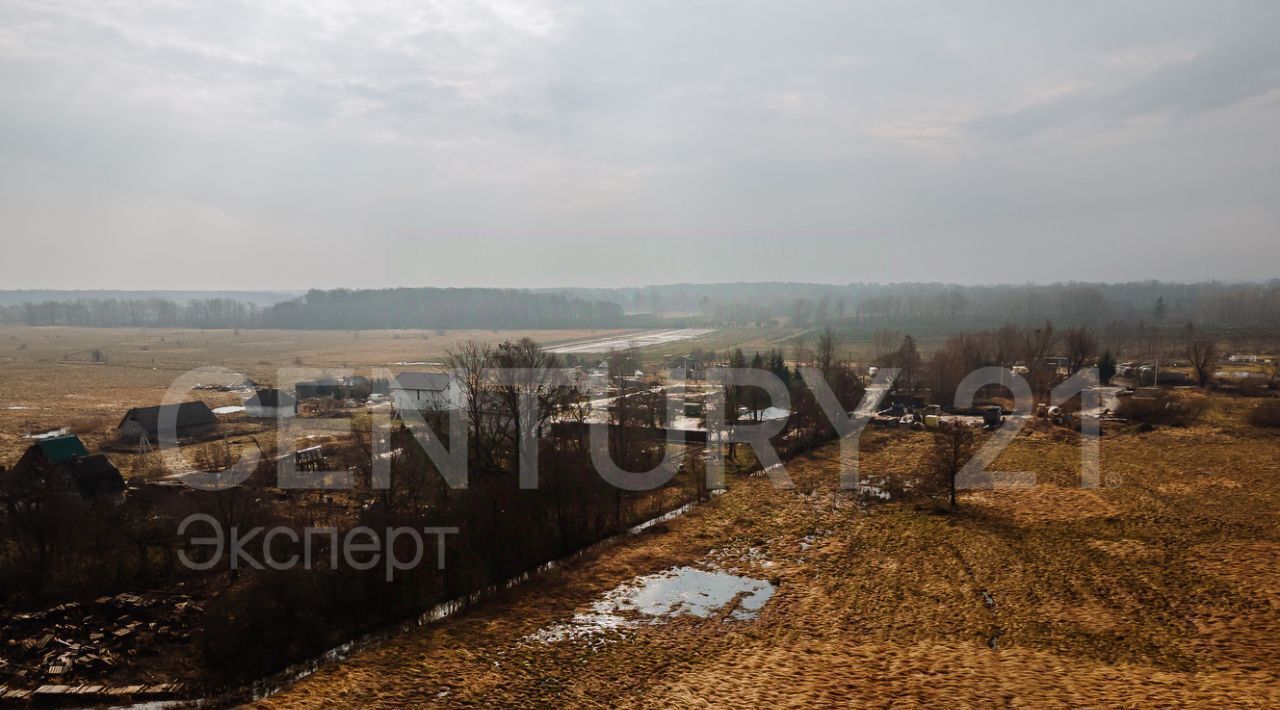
(339, 309)
(924, 307)
(958, 307)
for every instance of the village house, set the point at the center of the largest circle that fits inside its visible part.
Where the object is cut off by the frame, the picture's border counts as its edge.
(320, 388)
(47, 452)
(574, 378)
(191, 420)
(271, 404)
(355, 387)
(64, 461)
(693, 368)
(426, 391)
(598, 376)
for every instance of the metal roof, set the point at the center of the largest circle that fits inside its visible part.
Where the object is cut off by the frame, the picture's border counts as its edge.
(62, 448)
(424, 381)
(187, 414)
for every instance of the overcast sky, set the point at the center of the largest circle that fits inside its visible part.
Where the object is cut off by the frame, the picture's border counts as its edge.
(317, 143)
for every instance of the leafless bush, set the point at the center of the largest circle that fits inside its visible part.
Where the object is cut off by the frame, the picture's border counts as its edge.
(216, 456)
(1164, 410)
(87, 425)
(1266, 414)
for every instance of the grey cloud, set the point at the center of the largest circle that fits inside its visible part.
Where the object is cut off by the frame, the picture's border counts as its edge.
(821, 140)
(1237, 66)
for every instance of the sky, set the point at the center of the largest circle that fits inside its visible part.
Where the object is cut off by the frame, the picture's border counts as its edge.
(320, 143)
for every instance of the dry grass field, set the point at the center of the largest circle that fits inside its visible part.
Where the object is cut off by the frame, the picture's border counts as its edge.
(1160, 588)
(85, 379)
(49, 378)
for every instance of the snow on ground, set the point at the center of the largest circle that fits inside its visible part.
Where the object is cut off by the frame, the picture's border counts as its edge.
(632, 340)
(1109, 402)
(652, 598)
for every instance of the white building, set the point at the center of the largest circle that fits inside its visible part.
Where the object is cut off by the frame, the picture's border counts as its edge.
(598, 376)
(271, 404)
(426, 391)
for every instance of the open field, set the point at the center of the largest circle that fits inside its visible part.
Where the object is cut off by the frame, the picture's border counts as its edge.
(1160, 588)
(49, 379)
(87, 378)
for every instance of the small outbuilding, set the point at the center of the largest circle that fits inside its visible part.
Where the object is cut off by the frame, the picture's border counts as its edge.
(320, 388)
(271, 404)
(426, 391)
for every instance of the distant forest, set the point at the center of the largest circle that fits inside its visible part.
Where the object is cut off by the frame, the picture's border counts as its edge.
(925, 307)
(261, 298)
(953, 308)
(339, 309)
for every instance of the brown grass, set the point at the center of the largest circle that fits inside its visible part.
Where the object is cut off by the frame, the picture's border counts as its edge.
(1160, 590)
(48, 381)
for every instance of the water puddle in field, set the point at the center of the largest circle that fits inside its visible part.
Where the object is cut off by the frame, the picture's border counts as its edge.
(651, 599)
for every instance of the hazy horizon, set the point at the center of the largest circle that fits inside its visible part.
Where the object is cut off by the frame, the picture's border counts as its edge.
(541, 144)
(667, 285)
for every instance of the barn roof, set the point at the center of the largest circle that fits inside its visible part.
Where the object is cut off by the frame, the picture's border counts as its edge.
(426, 381)
(271, 398)
(187, 414)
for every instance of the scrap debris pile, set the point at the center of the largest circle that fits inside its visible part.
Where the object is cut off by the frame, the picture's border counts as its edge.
(59, 650)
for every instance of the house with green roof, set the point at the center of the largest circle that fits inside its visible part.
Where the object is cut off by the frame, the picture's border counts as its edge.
(51, 451)
(63, 461)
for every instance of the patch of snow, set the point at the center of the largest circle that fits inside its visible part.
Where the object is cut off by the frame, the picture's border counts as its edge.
(647, 600)
(632, 340)
(772, 413)
(873, 491)
(49, 434)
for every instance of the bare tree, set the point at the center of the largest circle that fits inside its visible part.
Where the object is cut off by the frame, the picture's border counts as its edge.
(952, 448)
(1006, 343)
(1036, 344)
(756, 397)
(1081, 345)
(824, 352)
(907, 360)
(1203, 355)
(883, 343)
(800, 349)
(525, 370)
(959, 356)
(468, 363)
